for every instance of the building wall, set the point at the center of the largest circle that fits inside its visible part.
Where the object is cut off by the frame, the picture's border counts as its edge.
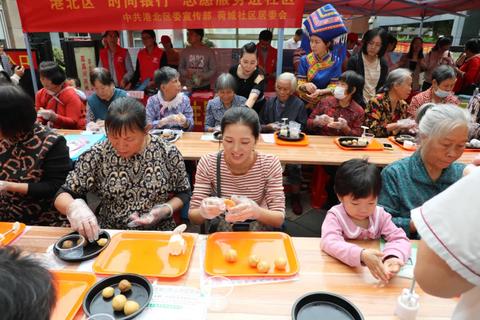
(14, 26)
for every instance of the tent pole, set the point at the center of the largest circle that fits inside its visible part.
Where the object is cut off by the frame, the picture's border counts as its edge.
(30, 62)
(420, 31)
(281, 32)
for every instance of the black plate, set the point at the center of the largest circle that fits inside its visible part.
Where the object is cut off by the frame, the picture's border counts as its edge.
(91, 250)
(324, 305)
(285, 138)
(341, 140)
(172, 138)
(404, 137)
(141, 292)
(217, 135)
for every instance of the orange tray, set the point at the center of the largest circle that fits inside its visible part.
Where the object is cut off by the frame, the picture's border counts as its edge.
(374, 145)
(266, 245)
(392, 139)
(71, 288)
(145, 253)
(4, 227)
(301, 143)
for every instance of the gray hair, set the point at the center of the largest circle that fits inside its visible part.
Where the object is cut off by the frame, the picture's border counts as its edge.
(442, 73)
(438, 120)
(287, 76)
(397, 76)
(165, 75)
(225, 81)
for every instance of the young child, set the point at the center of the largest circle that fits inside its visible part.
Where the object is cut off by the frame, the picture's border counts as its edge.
(357, 185)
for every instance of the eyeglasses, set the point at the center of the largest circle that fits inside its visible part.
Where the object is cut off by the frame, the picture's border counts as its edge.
(375, 44)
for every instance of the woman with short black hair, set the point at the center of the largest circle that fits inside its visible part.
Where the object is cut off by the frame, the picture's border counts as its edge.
(468, 68)
(132, 172)
(34, 162)
(57, 103)
(105, 93)
(370, 63)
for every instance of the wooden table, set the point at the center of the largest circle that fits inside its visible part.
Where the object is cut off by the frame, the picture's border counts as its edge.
(320, 151)
(318, 272)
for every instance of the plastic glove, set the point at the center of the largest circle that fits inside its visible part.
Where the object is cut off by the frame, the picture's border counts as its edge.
(339, 125)
(19, 71)
(179, 119)
(211, 207)
(310, 87)
(244, 210)
(392, 266)
(83, 220)
(3, 187)
(404, 124)
(373, 260)
(47, 114)
(158, 213)
(93, 126)
(323, 120)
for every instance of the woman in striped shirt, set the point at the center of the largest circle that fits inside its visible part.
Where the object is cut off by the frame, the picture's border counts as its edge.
(251, 179)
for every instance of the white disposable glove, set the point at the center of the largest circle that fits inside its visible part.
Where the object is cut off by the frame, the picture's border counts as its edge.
(211, 207)
(93, 126)
(179, 119)
(3, 187)
(405, 124)
(339, 125)
(244, 210)
(158, 213)
(83, 220)
(47, 114)
(323, 120)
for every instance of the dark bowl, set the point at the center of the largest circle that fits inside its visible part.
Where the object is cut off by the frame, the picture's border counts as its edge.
(404, 137)
(343, 140)
(217, 135)
(91, 249)
(288, 138)
(324, 305)
(141, 292)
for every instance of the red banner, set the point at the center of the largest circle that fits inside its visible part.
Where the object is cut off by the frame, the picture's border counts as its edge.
(19, 57)
(101, 15)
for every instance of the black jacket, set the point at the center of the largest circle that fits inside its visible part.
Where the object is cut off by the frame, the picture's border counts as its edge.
(355, 63)
(294, 110)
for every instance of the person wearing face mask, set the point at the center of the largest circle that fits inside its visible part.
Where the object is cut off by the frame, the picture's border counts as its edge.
(324, 62)
(286, 105)
(250, 79)
(57, 103)
(443, 82)
(169, 108)
(139, 179)
(383, 112)
(105, 93)
(251, 179)
(409, 182)
(341, 114)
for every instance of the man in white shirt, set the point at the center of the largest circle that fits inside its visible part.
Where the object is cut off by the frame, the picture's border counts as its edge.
(448, 254)
(295, 41)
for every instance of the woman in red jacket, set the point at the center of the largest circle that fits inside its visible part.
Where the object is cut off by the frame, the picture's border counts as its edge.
(469, 68)
(58, 104)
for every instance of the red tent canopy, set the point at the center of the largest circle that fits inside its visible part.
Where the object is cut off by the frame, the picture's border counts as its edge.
(403, 8)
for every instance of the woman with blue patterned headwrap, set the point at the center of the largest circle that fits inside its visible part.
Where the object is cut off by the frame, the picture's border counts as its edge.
(324, 62)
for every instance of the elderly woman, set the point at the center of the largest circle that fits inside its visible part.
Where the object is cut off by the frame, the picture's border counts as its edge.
(105, 94)
(369, 63)
(341, 114)
(322, 64)
(250, 79)
(383, 112)
(226, 98)
(169, 108)
(34, 162)
(440, 91)
(57, 103)
(251, 179)
(408, 183)
(286, 105)
(133, 173)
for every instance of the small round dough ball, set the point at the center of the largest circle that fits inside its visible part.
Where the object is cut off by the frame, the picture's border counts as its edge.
(102, 242)
(231, 255)
(263, 266)
(108, 292)
(130, 307)
(280, 263)
(253, 260)
(67, 244)
(119, 302)
(124, 285)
